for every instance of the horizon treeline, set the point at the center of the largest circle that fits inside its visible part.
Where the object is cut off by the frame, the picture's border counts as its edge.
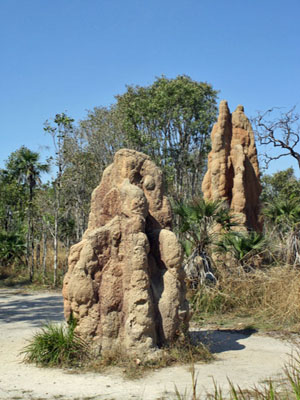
(171, 121)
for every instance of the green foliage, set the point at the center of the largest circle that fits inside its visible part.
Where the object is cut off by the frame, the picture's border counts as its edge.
(12, 247)
(280, 184)
(281, 197)
(284, 212)
(24, 165)
(171, 121)
(197, 219)
(56, 345)
(241, 244)
(104, 136)
(13, 201)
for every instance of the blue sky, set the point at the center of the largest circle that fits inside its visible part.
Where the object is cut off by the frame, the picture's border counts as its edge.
(72, 55)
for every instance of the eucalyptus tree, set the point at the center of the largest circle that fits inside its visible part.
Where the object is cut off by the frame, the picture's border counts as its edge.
(81, 175)
(171, 121)
(104, 136)
(282, 184)
(61, 127)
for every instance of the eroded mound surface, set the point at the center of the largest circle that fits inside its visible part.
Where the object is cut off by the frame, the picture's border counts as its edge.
(233, 171)
(125, 282)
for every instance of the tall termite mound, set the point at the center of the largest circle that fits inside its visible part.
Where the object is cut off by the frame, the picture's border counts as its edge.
(125, 281)
(233, 171)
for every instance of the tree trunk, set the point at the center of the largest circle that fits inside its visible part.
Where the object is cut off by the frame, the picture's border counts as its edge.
(38, 256)
(55, 245)
(31, 256)
(44, 255)
(28, 245)
(30, 236)
(67, 254)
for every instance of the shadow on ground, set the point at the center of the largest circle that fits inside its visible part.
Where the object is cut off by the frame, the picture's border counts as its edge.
(222, 340)
(16, 307)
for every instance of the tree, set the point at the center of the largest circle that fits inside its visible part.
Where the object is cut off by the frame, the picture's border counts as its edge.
(23, 165)
(81, 154)
(282, 132)
(12, 247)
(281, 210)
(12, 200)
(282, 184)
(78, 182)
(170, 121)
(104, 136)
(242, 246)
(59, 132)
(198, 222)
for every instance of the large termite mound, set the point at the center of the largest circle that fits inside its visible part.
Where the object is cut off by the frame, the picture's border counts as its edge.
(125, 281)
(233, 172)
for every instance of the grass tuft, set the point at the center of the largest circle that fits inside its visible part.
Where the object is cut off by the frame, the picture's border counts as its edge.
(59, 346)
(56, 346)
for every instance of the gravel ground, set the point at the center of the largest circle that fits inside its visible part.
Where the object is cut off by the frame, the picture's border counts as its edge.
(244, 358)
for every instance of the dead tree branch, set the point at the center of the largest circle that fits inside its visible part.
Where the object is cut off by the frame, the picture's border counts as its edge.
(281, 132)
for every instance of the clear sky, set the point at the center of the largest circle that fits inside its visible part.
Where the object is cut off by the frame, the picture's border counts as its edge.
(72, 55)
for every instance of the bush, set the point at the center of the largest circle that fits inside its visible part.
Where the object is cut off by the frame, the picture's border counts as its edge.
(12, 247)
(56, 346)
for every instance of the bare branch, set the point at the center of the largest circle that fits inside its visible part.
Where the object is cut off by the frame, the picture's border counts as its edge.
(280, 132)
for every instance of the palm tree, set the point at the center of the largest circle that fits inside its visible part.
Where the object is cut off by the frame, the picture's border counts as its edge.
(241, 245)
(198, 219)
(284, 214)
(199, 225)
(24, 166)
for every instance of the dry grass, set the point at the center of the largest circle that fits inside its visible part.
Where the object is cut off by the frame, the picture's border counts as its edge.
(285, 388)
(133, 367)
(271, 297)
(18, 275)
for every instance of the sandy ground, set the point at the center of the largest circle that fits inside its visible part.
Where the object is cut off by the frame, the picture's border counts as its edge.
(246, 359)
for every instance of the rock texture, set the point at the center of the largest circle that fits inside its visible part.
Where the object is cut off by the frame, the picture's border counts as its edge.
(233, 171)
(125, 284)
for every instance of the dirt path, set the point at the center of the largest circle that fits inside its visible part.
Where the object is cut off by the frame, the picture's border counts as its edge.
(245, 359)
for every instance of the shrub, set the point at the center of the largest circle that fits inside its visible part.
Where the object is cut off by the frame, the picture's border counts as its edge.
(242, 246)
(12, 247)
(56, 346)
